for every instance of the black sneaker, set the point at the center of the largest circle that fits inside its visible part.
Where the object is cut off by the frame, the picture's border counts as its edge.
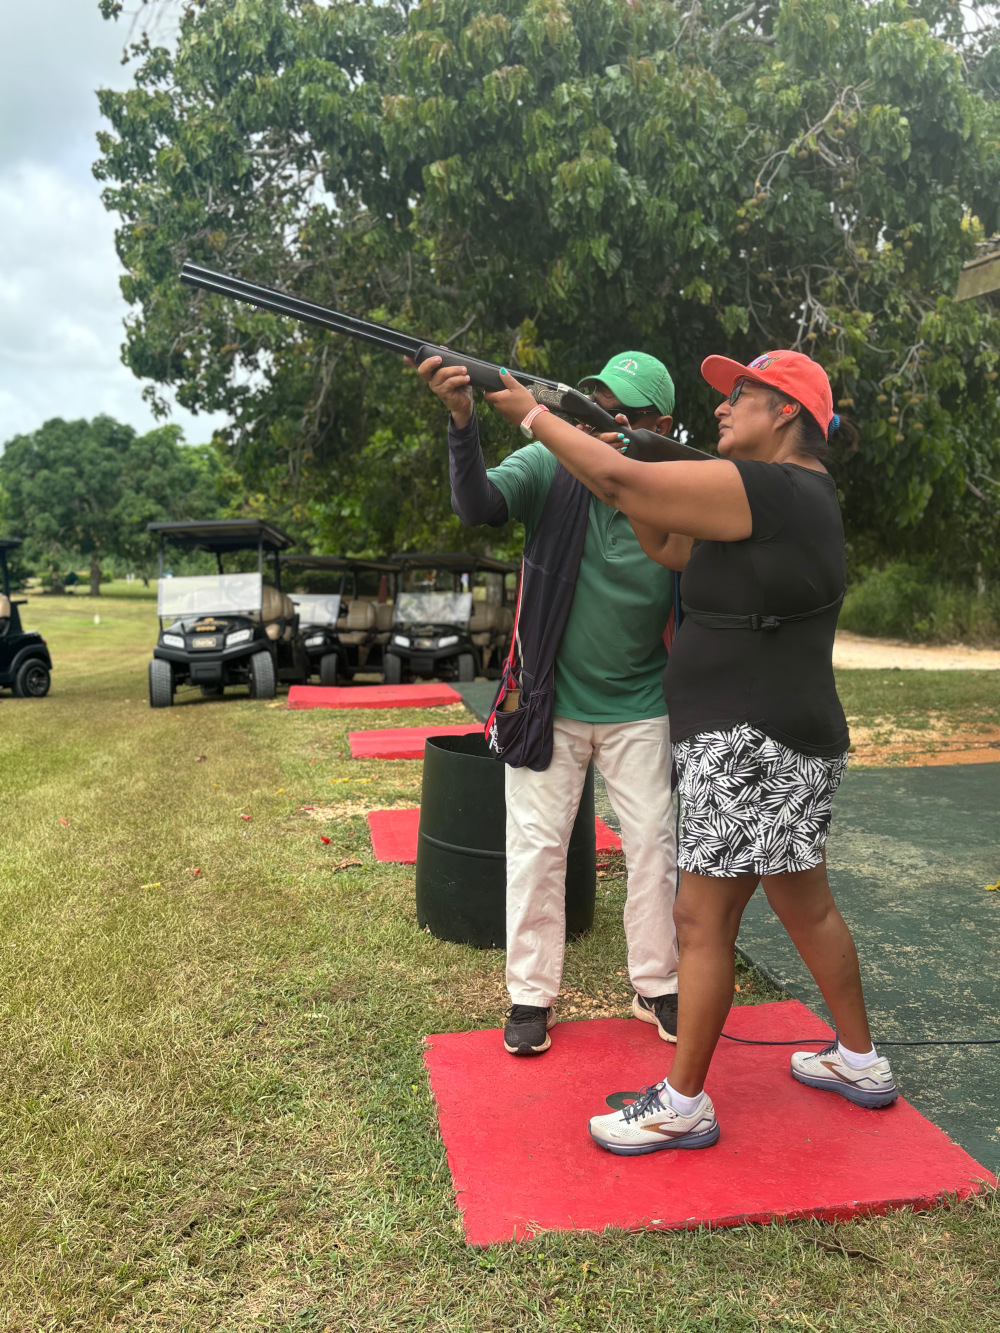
(527, 1029)
(661, 1010)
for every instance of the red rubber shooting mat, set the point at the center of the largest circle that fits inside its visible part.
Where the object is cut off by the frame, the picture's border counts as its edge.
(522, 1160)
(394, 835)
(372, 696)
(402, 742)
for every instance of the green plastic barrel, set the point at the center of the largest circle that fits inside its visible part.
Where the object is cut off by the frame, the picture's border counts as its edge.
(461, 858)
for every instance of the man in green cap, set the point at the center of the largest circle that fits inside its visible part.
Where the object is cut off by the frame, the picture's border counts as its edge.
(637, 383)
(608, 708)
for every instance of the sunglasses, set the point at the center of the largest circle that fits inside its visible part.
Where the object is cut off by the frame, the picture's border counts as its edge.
(632, 414)
(737, 389)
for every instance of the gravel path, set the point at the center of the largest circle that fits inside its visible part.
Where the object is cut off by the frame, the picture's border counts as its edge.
(855, 650)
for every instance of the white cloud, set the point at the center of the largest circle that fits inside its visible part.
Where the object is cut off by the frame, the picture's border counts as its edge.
(61, 308)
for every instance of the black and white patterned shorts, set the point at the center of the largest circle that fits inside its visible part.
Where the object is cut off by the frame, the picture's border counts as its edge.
(750, 805)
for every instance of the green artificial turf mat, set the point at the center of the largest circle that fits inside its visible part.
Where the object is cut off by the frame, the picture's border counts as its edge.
(909, 854)
(478, 696)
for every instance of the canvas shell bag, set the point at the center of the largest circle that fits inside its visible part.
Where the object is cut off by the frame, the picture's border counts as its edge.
(519, 728)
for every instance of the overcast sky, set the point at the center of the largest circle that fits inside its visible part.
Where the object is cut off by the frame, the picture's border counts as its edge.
(61, 309)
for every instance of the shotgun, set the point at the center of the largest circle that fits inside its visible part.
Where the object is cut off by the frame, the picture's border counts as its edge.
(645, 445)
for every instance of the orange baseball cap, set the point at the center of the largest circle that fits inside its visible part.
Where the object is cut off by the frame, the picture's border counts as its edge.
(792, 373)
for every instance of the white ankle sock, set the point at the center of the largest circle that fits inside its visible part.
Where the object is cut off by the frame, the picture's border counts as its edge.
(685, 1105)
(854, 1058)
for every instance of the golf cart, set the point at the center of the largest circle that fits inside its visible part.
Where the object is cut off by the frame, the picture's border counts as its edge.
(351, 638)
(453, 617)
(225, 629)
(25, 664)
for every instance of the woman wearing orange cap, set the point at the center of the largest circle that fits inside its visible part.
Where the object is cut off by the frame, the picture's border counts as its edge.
(760, 737)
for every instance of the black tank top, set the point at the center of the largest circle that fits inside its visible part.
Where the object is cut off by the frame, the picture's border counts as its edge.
(779, 680)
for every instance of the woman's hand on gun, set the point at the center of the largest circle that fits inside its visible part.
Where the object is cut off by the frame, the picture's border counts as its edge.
(609, 437)
(513, 403)
(451, 384)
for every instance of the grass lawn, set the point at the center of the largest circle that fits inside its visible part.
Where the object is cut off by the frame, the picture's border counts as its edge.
(907, 698)
(215, 1114)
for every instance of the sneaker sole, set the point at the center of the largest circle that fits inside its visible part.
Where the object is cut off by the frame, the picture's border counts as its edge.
(645, 1016)
(704, 1140)
(871, 1100)
(525, 1049)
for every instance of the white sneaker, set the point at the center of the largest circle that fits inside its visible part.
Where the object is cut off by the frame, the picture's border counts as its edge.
(651, 1123)
(872, 1086)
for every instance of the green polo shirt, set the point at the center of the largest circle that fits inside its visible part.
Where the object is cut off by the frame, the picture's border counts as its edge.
(612, 654)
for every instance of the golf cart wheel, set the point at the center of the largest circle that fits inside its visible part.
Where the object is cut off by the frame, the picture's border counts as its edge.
(32, 680)
(161, 683)
(262, 679)
(328, 669)
(466, 666)
(392, 668)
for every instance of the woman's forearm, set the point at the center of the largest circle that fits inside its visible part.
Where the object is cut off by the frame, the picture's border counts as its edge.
(704, 499)
(669, 549)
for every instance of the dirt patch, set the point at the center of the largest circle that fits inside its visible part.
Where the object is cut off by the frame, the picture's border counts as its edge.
(855, 651)
(939, 740)
(339, 810)
(480, 999)
(609, 1001)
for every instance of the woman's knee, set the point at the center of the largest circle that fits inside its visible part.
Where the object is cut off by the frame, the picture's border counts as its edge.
(803, 898)
(709, 912)
(686, 918)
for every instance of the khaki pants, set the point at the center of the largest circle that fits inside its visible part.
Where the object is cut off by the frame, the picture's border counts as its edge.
(634, 759)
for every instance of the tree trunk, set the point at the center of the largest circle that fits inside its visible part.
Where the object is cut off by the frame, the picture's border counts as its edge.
(95, 575)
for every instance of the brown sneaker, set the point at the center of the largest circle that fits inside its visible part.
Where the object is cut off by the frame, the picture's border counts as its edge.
(661, 1010)
(527, 1029)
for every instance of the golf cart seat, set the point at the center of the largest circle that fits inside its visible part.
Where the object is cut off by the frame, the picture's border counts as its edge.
(483, 623)
(488, 623)
(277, 614)
(384, 614)
(361, 620)
(4, 613)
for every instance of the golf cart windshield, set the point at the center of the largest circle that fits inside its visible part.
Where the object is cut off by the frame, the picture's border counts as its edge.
(209, 594)
(433, 608)
(317, 609)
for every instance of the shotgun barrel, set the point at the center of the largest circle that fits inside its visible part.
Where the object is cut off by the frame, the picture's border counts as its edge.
(482, 374)
(642, 444)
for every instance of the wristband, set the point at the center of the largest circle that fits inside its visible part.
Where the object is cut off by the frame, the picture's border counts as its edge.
(526, 430)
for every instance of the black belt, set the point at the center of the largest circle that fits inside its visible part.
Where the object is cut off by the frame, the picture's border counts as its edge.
(722, 620)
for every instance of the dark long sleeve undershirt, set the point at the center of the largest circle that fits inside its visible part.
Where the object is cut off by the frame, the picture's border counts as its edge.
(474, 498)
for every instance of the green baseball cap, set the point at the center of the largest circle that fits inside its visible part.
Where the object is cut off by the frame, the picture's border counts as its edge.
(636, 379)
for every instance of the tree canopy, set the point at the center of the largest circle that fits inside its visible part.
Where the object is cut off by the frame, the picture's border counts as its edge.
(546, 182)
(88, 488)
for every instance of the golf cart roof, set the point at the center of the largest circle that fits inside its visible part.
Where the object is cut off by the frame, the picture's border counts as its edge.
(338, 562)
(224, 534)
(9, 543)
(460, 560)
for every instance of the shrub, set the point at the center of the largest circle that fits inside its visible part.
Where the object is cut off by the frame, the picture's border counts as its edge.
(905, 602)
